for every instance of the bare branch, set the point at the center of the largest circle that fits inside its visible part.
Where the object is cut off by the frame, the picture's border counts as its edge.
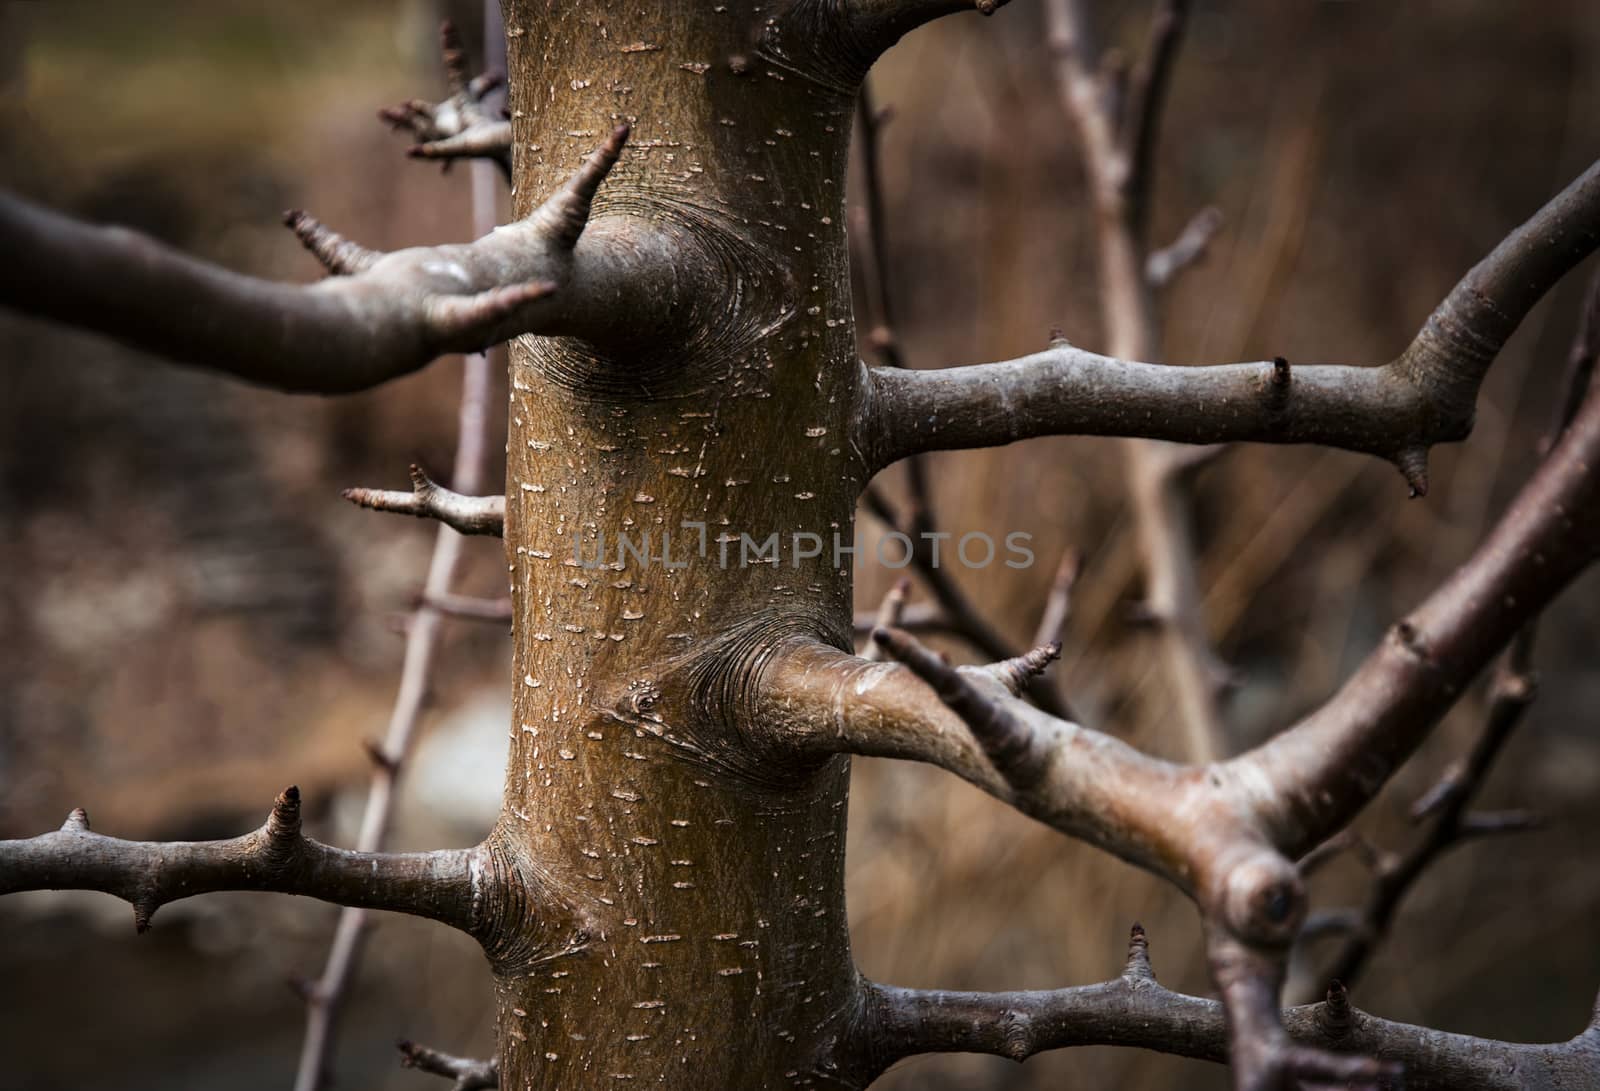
(277, 857)
(1225, 833)
(1424, 396)
(1058, 603)
(468, 1074)
(1327, 1041)
(1117, 145)
(463, 126)
(1163, 266)
(551, 273)
(1147, 98)
(875, 25)
(472, 609)
(429, 500)
(918, 617)
(889, 613)
(867, 228)
(422, 641)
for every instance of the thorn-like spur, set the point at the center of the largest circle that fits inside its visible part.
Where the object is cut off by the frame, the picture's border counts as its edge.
(339, 255)
(455, 318)
(1016, 672)
(1003, 735)
(480, 141)
(567, 211)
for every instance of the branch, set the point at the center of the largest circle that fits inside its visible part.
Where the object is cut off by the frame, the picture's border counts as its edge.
(1397, 411)
(1224, 833)
(918, 617)
(875, 25)
(429, 500)
(325, 997)
(956, 610)
(277, 857)
(890, 612)
(470, 608)
(1164, 265)
(1117, 146)
(552, 273)
(1446, 806)
(462, 126)
(1329, 1041)
(468, 1074)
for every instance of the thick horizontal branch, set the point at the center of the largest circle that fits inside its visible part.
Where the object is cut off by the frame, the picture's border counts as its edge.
(1424, 396)
(551, 273)
(1330, 1041)
(277, 858)
(430, 500)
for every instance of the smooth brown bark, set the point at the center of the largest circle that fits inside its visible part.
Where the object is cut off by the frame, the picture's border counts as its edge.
(702, 877)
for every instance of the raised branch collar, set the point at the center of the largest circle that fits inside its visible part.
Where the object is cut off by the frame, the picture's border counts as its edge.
(380, 316)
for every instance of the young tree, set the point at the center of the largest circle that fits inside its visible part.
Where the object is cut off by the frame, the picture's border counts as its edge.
(662, 898)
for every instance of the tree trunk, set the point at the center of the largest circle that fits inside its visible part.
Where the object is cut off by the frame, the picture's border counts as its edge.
(702, 934)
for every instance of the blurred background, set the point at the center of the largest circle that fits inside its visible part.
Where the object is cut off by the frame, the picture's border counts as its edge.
(191, 617)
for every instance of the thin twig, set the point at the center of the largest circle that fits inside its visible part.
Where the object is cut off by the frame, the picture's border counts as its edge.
(422, 639)
(1117, 151)
(468, 1073)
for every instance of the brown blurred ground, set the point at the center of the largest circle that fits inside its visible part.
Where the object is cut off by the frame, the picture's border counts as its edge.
(192, 618)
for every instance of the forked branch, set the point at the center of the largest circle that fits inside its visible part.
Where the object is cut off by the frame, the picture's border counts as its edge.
(463, 126)
(1424, 396)
(430, 500)
(1226, 833)
(551, 273)
(277, 857)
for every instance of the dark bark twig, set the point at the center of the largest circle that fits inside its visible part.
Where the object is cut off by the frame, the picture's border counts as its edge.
(276, 858)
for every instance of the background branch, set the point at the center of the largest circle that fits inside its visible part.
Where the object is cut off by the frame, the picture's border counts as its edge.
(325, 996)
(467, 125)
(1117, 150)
